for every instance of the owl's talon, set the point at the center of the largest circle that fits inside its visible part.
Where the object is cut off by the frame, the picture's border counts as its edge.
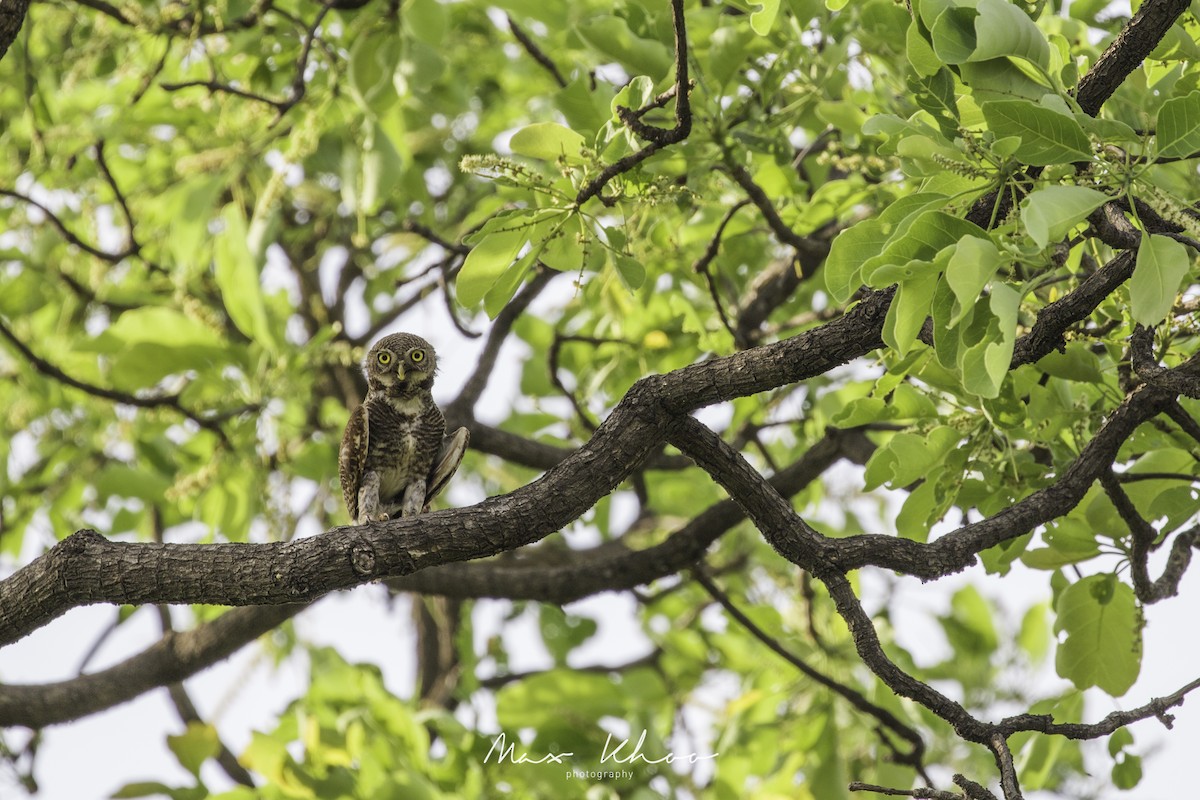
(382, 516)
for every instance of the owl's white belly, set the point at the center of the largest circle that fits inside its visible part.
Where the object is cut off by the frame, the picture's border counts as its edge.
(399, 470)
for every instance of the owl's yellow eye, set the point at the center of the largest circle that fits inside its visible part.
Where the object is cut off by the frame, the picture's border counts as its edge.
(417, 355)
(385, 358)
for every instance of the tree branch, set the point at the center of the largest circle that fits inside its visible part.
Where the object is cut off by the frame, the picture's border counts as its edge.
(111, 258)
(171, 401)
(1127, 52)
(613, 566)
(856, 698)
(86, 568)
(170, 660)
(658, 138)
(535, 52)
(1149, 370)
(1044, 723)
(461, 409)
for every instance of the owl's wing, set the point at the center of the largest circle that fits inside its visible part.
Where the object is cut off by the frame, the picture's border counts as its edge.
(445, 463)
(352, 458)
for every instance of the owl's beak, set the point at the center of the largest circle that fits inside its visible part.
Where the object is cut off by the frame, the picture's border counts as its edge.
(400, 372)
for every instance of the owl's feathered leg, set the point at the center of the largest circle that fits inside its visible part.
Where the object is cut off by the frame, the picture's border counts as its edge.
(445, 464)
(414, 498)
(368, 499)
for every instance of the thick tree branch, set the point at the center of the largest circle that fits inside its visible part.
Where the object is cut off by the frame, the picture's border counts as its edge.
(170, 660)
(614, 566)
(1048, 331)
(86, 568)
(12, 15)
(1123, 55)
(1149, 370)
(1127, 52)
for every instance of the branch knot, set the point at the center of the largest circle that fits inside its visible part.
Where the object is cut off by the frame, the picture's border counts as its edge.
(362, 558)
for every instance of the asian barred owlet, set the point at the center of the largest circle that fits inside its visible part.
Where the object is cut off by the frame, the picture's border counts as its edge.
(395, 454)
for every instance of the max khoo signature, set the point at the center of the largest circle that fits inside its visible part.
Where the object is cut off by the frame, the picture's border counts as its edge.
(614, 752)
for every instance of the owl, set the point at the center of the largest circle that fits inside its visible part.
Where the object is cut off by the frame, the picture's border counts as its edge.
(395, 454)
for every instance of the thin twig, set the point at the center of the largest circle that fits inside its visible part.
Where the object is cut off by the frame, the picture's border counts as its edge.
(151, 401)
(67, 233)
(889, 720)
(706, 258)
(534, 51)
(658, 138)
(921, 792)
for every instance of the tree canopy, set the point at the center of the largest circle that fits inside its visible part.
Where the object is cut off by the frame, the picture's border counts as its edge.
(930, 267)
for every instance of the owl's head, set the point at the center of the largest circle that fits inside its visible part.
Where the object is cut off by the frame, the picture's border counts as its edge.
(400, 363)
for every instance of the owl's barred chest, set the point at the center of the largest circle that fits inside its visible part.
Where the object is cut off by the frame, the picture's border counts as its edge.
(404, 438)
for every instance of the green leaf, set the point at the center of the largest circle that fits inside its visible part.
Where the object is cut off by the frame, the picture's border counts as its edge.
(562, 632)
(142, 789)
(189, 223)
(541, 699)
(426, 19)
(195, 746)
(611, 36)
(1127, 773)
(920, 53)
(909, 456)
(985, 363)
(862, 410)
(583, 107)
(989, 30)
(908, 311)
(1178, 127)
(1162, 264)
(158, 325)
(486, 262)
(1001, 79)
(509, 281)
(631, 271)
(373, 62)
(120, 480)
(1051, 212)
(1103, 626)
(969, 625)
(1120, 739)
(564, 250)
(381, 167)
(1003, 29)
(920, 239)
(548, 141)
(1035, 635)
(728, 49)
(1047, 137)
(970, 268)
(763, 19)
(237, 275)
(851, 247)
